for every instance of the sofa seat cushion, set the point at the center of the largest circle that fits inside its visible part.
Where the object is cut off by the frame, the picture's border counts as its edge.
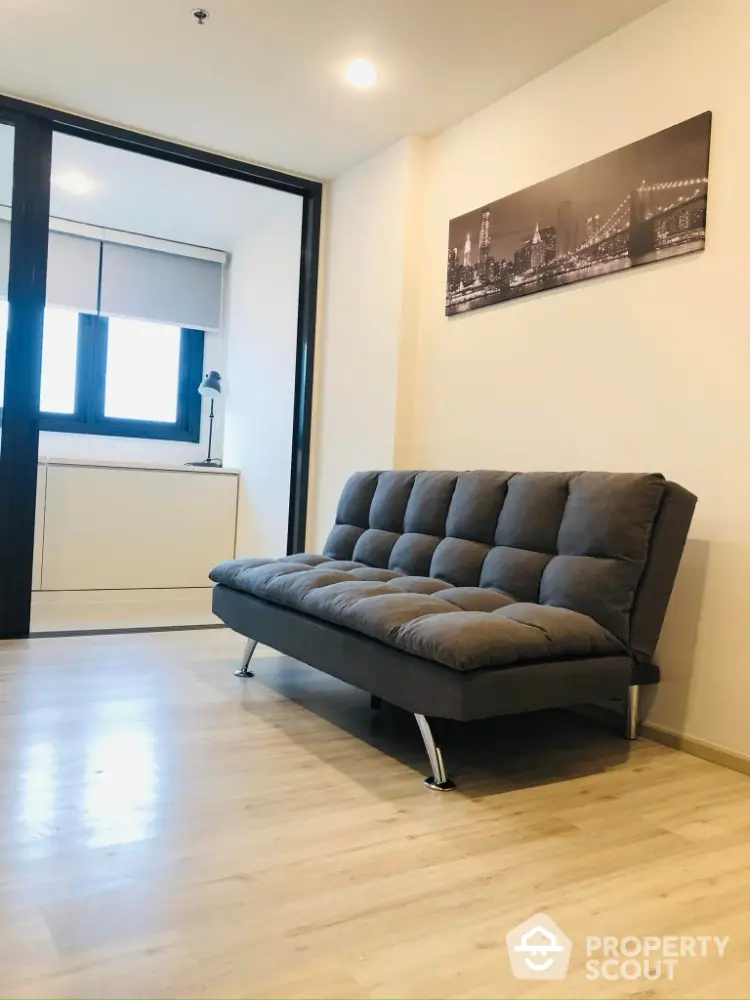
(513, 634)
(460, 627)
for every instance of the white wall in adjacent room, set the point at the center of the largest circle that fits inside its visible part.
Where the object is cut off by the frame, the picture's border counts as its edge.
(261, 343)
(367, 325)
(644, 370)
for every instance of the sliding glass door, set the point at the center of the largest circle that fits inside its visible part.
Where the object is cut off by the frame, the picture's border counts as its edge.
(134, 514)
(112, 319)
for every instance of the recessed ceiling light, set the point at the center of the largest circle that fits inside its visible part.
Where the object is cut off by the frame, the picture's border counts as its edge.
(361, 73)
(74, 182)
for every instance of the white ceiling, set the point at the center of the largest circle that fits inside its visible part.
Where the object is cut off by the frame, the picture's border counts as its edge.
(262, 80)
(140, 194)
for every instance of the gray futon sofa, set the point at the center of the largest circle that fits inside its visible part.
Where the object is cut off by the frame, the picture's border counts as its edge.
(473, 594)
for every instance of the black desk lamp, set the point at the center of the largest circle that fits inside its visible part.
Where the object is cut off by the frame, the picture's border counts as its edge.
(210, 387)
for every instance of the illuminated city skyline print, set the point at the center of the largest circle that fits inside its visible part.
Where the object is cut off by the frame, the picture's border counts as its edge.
(643, 203)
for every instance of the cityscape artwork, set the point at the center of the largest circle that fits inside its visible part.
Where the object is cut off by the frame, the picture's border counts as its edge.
(642, 203)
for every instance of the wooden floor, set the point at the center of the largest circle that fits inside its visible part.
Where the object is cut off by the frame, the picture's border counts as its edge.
(168, 830)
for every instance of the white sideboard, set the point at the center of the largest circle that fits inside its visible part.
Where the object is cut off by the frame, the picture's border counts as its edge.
(115, 526)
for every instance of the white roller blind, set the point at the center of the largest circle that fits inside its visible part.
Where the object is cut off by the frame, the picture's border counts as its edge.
(73, 272)
(4, 257)
(161, 287)
(135, 282)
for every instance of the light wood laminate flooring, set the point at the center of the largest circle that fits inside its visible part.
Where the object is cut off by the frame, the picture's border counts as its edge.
(168, 830)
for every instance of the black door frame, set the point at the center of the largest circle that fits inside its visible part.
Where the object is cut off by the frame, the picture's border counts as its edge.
(34, 126)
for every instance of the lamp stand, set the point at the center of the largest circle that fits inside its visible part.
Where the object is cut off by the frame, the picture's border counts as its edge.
(208, 461)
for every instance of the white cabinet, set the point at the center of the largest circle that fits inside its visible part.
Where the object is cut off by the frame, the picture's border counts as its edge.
(110, 527)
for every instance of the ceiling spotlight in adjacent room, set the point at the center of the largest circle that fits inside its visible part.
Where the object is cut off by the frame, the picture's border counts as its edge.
(200, 15)
(361, 73)
(74, 182)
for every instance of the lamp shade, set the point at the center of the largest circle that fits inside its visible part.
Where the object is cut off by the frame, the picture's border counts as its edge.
(211, 385)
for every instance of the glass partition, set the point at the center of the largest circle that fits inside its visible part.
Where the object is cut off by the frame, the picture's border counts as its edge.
(130, 272)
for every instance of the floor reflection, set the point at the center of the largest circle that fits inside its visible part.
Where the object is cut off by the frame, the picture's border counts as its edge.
(36, 810)
(109, 794)
(120, 787)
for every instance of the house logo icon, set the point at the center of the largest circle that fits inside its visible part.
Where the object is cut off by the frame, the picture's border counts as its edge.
(538, 949)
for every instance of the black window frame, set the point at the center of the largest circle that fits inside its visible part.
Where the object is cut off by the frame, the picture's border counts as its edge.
(91, 373)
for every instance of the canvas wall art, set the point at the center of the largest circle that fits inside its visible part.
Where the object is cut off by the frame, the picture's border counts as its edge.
(642, 203)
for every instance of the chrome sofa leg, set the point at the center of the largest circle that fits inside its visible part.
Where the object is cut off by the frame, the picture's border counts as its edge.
(439, 781)
(631, 713)
(246, 657)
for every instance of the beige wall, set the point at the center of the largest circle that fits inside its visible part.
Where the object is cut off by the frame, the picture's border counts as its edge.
(261, 343)
(646, 370)
(368, 324)
(639, 371)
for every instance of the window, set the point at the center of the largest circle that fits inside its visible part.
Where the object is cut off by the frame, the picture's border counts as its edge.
(119, 377)
(59, 361)
(58, 358)
(134, 379)
(146, 356)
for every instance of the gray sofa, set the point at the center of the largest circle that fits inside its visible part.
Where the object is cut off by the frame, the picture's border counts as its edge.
(474, 594)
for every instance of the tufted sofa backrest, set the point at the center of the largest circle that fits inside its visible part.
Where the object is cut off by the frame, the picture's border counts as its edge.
(588, 541)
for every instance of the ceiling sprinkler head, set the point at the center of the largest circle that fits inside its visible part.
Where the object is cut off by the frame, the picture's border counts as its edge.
(200, 15)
